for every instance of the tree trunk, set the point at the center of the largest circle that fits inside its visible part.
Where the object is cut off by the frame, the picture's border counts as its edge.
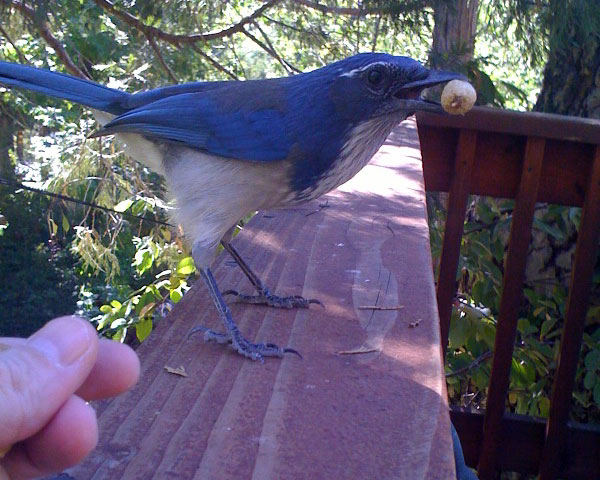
(7, 169)
(571, 83)
(453, 33)
(571, 86)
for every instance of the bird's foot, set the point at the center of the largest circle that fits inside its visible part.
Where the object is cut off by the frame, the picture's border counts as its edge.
(254, 351)
(265, 297)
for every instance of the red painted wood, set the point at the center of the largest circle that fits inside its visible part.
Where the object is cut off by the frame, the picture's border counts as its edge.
(457, 203)
(382, 414)
(497, 170)
(527, 124)
(522, 440)
(520, 235)
(570, 346)
(571, 148)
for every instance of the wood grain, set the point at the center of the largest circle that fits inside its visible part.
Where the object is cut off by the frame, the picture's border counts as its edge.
(379, 414)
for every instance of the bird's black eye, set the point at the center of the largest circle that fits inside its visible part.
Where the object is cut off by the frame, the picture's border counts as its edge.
(375, 77)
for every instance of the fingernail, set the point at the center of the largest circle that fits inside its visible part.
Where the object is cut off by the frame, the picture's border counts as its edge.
(65, 339)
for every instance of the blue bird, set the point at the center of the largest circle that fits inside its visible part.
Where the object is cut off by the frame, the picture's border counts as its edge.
(227, 149)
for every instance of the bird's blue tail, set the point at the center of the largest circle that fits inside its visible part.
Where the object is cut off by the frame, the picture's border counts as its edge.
(64, 86)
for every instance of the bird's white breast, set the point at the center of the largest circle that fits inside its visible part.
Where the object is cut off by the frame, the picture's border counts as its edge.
(213, 193)
(364, 141)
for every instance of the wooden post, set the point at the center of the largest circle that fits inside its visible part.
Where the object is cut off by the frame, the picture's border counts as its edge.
(457, 203)
(520, 235)
(570, 345)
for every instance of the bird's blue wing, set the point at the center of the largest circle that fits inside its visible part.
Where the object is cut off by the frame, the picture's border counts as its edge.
(227, 123)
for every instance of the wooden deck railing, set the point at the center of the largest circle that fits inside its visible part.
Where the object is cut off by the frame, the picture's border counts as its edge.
(532, 158)
(367, 401)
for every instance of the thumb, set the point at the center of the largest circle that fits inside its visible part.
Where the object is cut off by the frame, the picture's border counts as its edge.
(39, 374)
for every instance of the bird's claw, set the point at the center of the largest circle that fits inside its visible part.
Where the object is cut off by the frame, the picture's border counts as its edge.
(254, 351)
(267, 298)
(291, 350)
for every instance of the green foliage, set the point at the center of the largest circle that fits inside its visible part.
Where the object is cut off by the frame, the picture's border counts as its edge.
(126, 273)
(474, 319)
(140, 307)
(36, 280)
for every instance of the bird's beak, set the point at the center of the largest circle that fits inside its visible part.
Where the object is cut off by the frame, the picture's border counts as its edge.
(410, 93)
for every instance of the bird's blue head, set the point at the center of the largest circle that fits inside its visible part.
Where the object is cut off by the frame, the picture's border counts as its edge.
(370, 85)
(344, 112)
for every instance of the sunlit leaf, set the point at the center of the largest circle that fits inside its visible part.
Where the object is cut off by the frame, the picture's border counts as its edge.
(143, 329)
(175, 296)
(186, 266)
(124, 205)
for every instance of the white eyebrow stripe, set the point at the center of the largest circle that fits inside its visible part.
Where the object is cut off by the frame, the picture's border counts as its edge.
(356, 71)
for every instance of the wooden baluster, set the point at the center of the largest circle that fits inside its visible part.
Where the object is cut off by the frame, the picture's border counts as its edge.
(457, 203)
(570, 345)
(520, 235)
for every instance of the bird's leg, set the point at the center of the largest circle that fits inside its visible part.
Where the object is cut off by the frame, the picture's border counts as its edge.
(264, 297)
(254, 351)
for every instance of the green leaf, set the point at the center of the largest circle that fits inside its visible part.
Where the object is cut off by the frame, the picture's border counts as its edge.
(544, 406)
(143, 261)
(174, 282)
(53, 227)
(119, 335)
(592, 360)
(459, 330)
(480, 379)
(525, 327)
(124, 205)
(138, 207)
(487, 333)
(105, 309)
(593, 314)
(531, 295)
(485, 212)
(175, 296)
(65, 224)
(115, 304)
(547, 326)
(523, 374)
(186, 266)
(589, 381)
(498, 249)
(549, 229)
(143, 329)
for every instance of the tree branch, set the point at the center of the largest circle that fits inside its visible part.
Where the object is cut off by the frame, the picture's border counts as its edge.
(42, 26)
(376, 34)
(287, 25)
(406, 7)
(326, 9)
(214, 63)
(484, 356)
(19, 53)
(176, 39)
(161, 59)
(270, 44)
(266, 48)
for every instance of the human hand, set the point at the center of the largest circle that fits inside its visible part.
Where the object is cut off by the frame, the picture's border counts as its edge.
(45, 380)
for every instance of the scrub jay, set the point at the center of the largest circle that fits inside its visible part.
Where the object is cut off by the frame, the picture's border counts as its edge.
(228, 149)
